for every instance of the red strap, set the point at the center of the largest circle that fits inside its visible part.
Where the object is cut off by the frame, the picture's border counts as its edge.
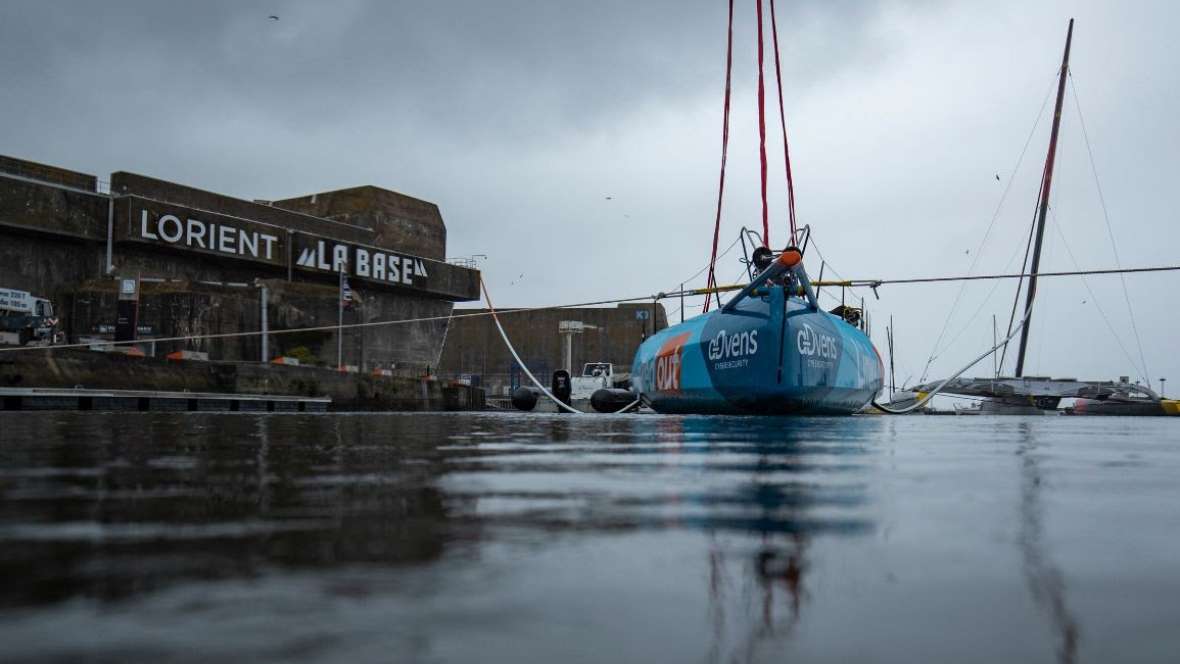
(762, 132)
(712, 281)
(778, 72)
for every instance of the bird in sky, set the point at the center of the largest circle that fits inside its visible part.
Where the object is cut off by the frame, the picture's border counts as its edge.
(273, 17)
(997, 177)
(609, 198)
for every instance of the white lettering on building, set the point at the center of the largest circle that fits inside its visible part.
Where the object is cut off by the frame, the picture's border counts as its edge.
(195, 233)
(371, 264)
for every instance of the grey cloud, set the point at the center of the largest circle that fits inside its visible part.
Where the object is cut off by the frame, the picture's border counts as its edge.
(519, 117)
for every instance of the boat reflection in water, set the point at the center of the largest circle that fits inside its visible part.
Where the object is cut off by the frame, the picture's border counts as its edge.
(760, 530)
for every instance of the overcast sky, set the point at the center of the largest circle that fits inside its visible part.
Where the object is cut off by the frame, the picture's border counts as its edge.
(520, 119)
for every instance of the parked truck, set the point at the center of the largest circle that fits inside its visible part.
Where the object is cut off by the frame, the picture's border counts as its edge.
(26, 319)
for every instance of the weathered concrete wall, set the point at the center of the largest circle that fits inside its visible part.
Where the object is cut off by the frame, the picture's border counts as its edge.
(53, 242)
(67, 369)
(45, 266)
(185, 308)
(474, 345)
(397, 220)
(46, 210)
(47, 173)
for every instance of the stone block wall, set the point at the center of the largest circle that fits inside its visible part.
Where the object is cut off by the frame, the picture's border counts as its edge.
(395, 219)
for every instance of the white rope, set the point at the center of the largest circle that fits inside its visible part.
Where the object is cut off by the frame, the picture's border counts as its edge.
(504, 335)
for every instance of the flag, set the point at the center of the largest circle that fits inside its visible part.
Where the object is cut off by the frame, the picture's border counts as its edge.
(345, 292)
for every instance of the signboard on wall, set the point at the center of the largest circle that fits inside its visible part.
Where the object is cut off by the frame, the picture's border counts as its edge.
(127, 310)
(205, 232)
(368, 263)
(208, 233)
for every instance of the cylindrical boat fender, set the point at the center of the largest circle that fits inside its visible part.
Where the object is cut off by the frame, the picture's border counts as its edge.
(525, 398)
(610, 399)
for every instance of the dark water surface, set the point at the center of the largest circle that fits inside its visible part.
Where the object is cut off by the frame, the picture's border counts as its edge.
(507, 537)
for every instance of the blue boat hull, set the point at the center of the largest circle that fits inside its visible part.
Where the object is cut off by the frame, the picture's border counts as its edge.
(769, 354)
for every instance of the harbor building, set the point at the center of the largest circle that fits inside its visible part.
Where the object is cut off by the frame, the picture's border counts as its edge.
(210, 264)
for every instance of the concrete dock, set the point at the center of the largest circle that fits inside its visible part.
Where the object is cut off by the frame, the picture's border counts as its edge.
(16, 398)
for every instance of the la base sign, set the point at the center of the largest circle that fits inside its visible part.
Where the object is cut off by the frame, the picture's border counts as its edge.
(363, 262)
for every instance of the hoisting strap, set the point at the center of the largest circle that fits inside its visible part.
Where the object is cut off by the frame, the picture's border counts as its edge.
(762, 132)
(782, 115)
(712, 281)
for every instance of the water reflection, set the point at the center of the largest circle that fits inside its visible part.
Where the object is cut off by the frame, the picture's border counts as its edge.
(1046, 582)
(110, 507)
(621, 538)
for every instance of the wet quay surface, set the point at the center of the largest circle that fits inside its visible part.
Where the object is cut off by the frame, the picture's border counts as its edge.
(510, 537)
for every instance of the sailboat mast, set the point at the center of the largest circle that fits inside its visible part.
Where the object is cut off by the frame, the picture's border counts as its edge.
(1044, 209)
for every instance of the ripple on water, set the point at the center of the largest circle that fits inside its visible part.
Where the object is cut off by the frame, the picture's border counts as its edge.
(462, 537)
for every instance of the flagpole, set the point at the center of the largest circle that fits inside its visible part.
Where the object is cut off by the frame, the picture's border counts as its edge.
(340, 322)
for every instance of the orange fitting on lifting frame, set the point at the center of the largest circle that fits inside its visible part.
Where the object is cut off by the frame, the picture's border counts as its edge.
(790, 257)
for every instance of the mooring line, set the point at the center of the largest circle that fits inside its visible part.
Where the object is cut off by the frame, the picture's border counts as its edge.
(525, 367)
(871, 283)
(979, 277)
(325, 328)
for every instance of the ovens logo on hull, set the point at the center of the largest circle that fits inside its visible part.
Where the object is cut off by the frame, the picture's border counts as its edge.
(732, 351)
(816, 344)
(729, 346)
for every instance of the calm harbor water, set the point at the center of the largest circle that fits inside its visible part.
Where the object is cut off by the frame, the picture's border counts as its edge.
(510, 537)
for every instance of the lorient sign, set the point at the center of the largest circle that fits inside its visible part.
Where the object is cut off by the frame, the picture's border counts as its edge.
(364, 262)
(208, 235)
(204, 232)
(181, 229)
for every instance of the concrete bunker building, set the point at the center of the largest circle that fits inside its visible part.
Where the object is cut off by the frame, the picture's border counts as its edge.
(475, 354)
(203, 258)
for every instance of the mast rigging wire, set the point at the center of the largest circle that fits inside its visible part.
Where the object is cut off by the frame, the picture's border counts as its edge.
(1109, 230)
(1093, 297)
(871, 283)
(987, 277)
(982, 305)
(934, 351)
